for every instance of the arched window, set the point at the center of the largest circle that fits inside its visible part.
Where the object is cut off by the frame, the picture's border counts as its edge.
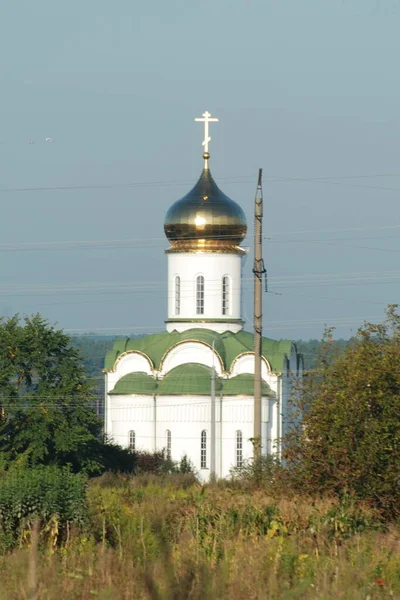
(239, 449)
(168, 443)
(200, 295)
(203, 450)
(132, 440)
(225, 295)
(177, 295)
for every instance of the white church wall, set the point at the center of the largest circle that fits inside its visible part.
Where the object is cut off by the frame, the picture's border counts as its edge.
(213, 267)
(274, 423)
(132, 413)
(185, 417)
(237, 415)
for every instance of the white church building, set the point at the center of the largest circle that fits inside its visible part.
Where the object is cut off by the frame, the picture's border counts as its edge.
(189, 389)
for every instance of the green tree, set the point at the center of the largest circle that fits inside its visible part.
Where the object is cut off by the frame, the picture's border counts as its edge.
(349, 440)
(46, 401)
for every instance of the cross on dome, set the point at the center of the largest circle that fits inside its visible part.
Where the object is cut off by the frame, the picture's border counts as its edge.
(206, 119)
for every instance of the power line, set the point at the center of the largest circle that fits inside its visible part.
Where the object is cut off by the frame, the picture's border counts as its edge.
(341, 245)
(344, 321)
(329, 180)
(134, 243)
(160, 284)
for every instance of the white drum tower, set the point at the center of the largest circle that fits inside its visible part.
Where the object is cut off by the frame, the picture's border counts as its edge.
(205, 229)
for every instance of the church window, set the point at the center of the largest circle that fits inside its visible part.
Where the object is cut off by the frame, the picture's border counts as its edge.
(239, 449)
(203, 450)
(168, 443)
(132, 440)
(177, 295)
(200, 295)
(225, 295)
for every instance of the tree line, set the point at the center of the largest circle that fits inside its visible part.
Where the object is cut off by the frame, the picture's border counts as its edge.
(345, 437)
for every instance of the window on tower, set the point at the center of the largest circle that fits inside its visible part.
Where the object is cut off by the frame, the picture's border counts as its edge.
(132, 440)
(203, 450)
(200, 295)
(225, 295)
(177, 295)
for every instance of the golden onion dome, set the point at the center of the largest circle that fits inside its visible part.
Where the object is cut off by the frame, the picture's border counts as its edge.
(205, 219)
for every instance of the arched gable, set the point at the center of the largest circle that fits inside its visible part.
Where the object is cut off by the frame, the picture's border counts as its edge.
(131, 362)
(244, 363)
(190, 351)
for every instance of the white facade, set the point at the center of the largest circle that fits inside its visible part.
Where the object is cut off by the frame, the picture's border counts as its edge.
(181, 424)
(220, 309)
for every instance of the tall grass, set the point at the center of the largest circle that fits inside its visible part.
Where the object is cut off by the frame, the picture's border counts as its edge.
(167, 538)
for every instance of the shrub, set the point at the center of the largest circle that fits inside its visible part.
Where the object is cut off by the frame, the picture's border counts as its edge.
(349, 441)
(54, 496)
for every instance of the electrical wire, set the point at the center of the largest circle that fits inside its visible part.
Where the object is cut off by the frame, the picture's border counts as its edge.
(131, 243)
(329, 180)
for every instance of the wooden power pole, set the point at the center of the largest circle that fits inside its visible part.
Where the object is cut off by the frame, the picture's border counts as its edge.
(258, 271)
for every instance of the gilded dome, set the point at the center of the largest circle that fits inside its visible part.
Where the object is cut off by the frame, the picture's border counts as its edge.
(205, 219)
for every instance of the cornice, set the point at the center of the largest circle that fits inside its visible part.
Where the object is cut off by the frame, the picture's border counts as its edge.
(195, 320)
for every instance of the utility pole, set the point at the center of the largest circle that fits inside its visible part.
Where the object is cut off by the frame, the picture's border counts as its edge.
(258, 271)
(213, 444)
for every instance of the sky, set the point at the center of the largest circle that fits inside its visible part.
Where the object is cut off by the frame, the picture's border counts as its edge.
(309, 91)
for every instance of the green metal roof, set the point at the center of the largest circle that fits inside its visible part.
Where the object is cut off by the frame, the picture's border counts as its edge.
(136, 383)
(188, 379)
(156, 345)
(243, 385)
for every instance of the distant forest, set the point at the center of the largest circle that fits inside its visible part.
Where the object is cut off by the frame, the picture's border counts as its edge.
(309, 349)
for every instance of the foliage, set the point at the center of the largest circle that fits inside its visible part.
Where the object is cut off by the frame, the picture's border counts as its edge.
(54, 496)
(262, 470)
(156, 537)
(160, 463)
(350, 438)
(46, 402)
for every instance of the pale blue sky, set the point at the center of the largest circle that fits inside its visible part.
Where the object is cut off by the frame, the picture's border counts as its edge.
(305, 90)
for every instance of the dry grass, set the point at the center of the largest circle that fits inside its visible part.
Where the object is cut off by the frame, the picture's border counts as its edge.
(160, 541)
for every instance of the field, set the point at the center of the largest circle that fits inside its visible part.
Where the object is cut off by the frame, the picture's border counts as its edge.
(167, 537)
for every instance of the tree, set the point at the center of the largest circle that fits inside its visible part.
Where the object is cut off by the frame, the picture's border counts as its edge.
(46, 401)
(349, 440)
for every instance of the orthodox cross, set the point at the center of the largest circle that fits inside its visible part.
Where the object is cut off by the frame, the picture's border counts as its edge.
(206, 119)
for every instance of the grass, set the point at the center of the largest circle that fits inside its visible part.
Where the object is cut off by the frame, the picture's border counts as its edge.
(155, 537)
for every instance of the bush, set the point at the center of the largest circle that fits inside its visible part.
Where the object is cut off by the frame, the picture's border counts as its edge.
(259, 471)
(159, 463)
(349, 441)
(53, 496)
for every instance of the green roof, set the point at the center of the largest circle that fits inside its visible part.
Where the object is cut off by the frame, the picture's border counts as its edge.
(188, 379)
(136, 383)
(243, 385)
(228, 345)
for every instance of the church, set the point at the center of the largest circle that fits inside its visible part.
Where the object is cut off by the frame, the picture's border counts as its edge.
(190, 389)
